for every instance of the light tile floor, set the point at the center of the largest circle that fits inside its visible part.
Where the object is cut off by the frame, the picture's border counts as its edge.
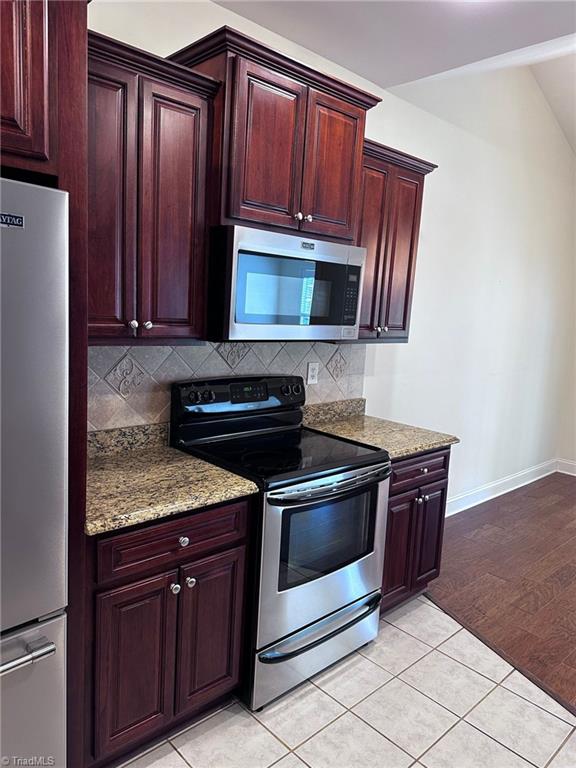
(426, 693)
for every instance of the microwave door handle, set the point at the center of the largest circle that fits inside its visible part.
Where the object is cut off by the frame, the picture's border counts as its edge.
(277, 657)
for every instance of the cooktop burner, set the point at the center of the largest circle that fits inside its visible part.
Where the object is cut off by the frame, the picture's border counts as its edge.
(285, 455)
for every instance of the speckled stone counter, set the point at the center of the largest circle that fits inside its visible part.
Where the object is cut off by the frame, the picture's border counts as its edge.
(400, 440)
(137, 486)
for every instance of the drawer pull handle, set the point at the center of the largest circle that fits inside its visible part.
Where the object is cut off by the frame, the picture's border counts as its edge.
(175, 588)
(425, 470)
(190, 582)
(183, 541)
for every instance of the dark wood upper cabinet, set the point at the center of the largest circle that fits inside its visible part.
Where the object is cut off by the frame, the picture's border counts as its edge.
(148, 145)
(288, 141)
(210, 624)
(332, 166)
(267, 145)
(173, 147)
(135, 653)
(28, 106)
(392, 188)
(112, 198)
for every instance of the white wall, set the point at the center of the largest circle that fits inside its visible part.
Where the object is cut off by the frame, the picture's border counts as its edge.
(492, 345)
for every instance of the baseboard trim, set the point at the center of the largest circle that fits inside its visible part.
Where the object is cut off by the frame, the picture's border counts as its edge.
(504, 485)
(566, 466)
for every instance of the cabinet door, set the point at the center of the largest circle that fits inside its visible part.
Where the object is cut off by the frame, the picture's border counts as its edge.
(135, 653)
(112, 199)
(401, 254)
(400, 529)
(25, 78)
(267, 146)
(332, 166)
(374, 212)
(429, 532)
(173, 147)
(209, 632)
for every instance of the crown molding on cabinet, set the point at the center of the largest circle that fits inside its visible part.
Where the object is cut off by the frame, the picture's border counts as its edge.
(395, 156)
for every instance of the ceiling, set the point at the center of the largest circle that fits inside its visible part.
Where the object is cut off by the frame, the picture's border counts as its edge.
(391, 42)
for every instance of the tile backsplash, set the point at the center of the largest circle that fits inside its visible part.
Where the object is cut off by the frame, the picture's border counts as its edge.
(128, 386)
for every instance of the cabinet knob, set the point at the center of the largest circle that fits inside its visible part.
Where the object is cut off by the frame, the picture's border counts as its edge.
(420, 500)
(385, 329)
(426, 498)
(133, 325)
(175, 588)
(190, 582)
(424, 470)
(299, 216)
(148, 324)
(309, 217)
(379, 328)
(183, 541)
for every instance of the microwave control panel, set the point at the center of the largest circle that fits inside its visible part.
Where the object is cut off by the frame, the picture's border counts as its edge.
(351, 295)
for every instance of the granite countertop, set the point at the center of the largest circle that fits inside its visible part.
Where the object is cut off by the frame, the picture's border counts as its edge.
(400, 440)
(133, 477)
(137, 486)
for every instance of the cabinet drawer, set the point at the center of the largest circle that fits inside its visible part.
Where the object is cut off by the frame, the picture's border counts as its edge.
(132, 554)
(411, 473)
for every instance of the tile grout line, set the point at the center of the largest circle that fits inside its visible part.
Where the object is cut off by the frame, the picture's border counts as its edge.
(561, 747)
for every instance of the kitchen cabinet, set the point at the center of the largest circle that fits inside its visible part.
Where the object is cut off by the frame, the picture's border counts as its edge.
(208, 663)
(415, 526)
(148, 138)
(288, 140)
(391, 203)
(135, 653)
(29, 61)
(169, 605)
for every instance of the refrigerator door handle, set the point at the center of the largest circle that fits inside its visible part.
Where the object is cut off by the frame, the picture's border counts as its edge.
(35, 651)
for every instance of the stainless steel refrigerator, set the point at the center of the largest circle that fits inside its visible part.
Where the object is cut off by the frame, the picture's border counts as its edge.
(34, 467)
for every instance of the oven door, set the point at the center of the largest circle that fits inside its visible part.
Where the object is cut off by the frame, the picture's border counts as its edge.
(322, 548)
(282, 291)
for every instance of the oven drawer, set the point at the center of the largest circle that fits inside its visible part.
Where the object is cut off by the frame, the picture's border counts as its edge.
(411, 473)
(165, 544)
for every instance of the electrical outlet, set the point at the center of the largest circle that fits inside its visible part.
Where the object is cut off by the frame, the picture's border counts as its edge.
(312, 373)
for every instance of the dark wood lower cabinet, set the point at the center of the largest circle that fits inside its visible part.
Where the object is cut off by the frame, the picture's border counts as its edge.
(429, 531)
(414, 528)
(397, 581)
(168, 625)
(135, 652)
(208, 663)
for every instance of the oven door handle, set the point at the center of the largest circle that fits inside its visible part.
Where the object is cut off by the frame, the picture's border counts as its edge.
(324, 493)
(277, 657)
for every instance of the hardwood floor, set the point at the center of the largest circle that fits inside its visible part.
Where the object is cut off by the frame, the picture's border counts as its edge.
(509, 575)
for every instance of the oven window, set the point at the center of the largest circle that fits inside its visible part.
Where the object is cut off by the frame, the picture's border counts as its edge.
(279, 290)
(321, 538)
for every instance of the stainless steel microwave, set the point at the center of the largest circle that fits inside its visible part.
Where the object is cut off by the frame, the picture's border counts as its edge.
(265, 285)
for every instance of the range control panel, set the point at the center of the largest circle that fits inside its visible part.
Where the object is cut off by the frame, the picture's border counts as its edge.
(237, 394)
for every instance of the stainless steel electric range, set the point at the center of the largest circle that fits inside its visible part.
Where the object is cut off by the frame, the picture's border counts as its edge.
(322, 531)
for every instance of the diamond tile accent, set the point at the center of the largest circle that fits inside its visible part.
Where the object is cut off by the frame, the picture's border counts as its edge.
(126, 376)
(233, 352)
(337, 365)
(150, 358)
